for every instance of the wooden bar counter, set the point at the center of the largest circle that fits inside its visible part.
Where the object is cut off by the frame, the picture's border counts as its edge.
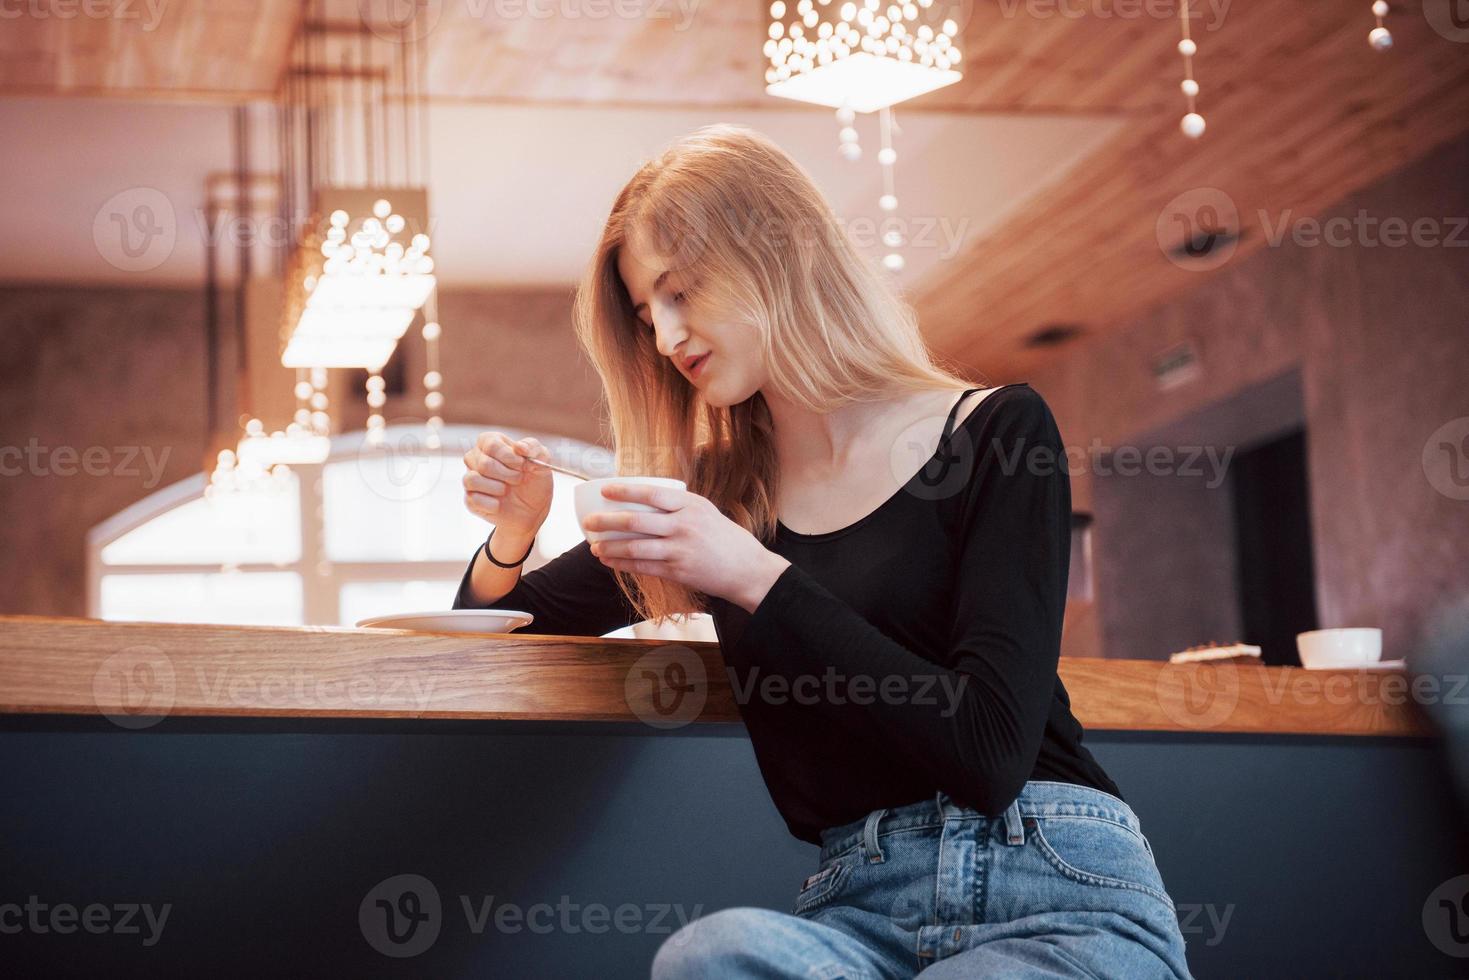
(271, 789)
(149, 670)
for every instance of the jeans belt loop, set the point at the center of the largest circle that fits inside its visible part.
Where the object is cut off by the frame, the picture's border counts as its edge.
(871, 850)
(1014, 827)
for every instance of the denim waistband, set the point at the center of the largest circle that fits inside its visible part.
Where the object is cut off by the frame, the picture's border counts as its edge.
(1038, 798)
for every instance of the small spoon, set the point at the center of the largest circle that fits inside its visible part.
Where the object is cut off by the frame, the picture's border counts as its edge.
(558, 469)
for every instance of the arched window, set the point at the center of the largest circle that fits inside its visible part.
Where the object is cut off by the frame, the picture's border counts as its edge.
(367, 532)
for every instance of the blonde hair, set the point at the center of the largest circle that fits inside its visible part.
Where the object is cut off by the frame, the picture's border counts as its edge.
(729, 205)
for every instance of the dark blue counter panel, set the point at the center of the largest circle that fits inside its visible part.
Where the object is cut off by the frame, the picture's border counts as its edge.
(572, 850)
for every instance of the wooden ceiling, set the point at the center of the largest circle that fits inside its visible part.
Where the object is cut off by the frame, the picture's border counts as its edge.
(1301, 112)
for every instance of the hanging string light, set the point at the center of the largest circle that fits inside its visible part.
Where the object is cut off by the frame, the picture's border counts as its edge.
(1379, 37)
(1192, 123)
(862, 56)
(892, 237)
(433, 380)
(847, 143)
(377, 397)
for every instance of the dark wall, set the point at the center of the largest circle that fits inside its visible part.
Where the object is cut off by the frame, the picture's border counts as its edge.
(1286, 857)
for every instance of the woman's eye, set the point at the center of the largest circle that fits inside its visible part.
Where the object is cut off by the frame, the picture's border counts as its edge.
(680, 297)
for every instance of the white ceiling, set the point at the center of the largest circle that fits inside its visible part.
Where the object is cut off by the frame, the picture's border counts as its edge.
(518, 192)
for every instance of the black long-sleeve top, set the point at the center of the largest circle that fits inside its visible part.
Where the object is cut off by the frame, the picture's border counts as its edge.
(916, 648)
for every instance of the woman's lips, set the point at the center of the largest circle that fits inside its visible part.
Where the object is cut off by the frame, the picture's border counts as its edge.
(697, 368)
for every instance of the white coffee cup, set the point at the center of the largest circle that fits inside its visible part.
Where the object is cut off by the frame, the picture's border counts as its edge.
(1350, 647)
(589, 500)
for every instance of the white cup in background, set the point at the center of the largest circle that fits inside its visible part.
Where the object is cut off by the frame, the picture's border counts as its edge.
(589, 500)
(1350, 647)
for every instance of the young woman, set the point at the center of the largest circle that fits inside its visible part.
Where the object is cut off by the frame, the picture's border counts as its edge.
(748, 350)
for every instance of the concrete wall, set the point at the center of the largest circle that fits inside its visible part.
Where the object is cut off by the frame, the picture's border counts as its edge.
(123, 369)
(1380, 337)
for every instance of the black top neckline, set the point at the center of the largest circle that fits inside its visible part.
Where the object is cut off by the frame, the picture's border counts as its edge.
(782, 531)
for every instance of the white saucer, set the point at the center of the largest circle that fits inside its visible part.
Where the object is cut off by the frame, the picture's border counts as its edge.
(1374, 665)
(453, 621)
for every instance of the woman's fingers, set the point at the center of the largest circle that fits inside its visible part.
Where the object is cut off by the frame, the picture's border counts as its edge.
(482, 505)
(640, 522)
(477, 483)
(494, 457)
(531, 446)
(655, 549)
(664, 498)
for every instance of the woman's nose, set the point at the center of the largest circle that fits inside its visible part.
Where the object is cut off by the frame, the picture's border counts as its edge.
(669, 330)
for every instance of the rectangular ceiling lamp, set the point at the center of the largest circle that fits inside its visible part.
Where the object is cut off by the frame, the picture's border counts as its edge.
(863, 81)
(359, 277)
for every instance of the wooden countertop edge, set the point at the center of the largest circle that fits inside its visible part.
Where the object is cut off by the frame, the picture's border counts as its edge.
(136, 673)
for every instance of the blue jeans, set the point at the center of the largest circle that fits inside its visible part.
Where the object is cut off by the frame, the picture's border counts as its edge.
(1063, 884)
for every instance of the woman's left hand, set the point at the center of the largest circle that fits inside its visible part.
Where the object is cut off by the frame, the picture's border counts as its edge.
(694, 544)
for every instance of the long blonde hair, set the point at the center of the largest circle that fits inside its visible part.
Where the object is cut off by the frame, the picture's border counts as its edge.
(729, 205)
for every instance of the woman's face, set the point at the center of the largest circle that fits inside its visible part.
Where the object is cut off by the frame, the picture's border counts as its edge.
(715, 350)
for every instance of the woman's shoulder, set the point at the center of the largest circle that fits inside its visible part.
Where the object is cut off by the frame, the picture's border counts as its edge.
(1011, 410)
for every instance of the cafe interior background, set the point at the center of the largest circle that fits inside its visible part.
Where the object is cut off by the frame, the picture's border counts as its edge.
(268, 267)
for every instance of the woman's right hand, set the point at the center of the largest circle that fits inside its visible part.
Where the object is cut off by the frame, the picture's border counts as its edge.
(502, 488)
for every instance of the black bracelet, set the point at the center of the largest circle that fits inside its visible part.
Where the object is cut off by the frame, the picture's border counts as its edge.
(501, 564)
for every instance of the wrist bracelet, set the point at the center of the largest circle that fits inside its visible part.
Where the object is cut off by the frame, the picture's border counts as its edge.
(501, 564)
